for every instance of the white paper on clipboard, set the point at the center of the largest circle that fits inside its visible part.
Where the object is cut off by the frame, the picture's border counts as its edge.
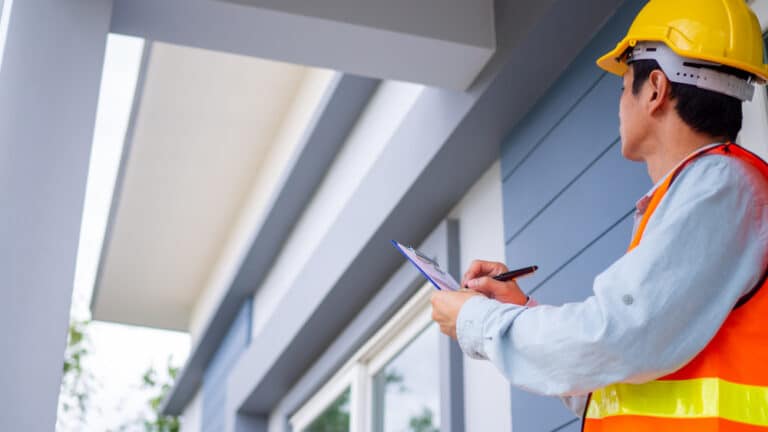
(441, 279)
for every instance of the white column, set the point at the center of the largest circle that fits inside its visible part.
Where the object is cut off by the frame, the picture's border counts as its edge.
(49, 80)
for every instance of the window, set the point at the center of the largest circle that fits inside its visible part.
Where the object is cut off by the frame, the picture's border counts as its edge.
(335, 418)
(391, 384)
(330, 410)
(405, 393)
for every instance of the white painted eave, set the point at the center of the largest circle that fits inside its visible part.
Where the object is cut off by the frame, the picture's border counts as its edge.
(204, 131)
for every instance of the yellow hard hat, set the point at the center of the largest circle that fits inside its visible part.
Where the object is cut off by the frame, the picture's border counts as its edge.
(726, 32)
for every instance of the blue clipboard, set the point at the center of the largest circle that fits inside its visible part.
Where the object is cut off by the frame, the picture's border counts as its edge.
(428, 267)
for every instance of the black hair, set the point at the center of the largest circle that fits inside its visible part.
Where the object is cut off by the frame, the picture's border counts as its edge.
(703, 110)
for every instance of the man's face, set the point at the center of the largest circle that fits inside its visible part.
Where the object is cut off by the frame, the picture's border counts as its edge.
(632, 124)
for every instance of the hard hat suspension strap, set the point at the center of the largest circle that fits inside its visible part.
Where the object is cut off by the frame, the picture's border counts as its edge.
(694, 72)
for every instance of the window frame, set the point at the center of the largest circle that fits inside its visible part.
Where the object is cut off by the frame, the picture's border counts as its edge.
(358, 372)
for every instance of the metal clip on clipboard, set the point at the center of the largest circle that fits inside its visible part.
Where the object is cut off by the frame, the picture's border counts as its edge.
(429, 267)
(427, 260)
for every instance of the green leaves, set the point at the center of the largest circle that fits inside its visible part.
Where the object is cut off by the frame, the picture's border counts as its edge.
(76, 383)
(423, 422)
(159, 385)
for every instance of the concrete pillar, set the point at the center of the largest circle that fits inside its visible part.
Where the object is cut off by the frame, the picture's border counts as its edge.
(50, 73)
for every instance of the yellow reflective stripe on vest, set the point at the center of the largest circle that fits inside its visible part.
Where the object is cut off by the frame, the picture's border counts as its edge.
(703, 397)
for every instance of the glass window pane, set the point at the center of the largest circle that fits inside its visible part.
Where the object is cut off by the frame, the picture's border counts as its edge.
(406, 392)
(335, 418)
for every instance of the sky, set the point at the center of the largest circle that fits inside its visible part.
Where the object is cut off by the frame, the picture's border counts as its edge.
(119, 354)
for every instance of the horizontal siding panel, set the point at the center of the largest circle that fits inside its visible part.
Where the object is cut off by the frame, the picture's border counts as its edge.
(562, 155)
(592, 204)
(571, 284)
(575, 81)
(569, 196)
(573, 426)
(565, 94)
(551, 413)
(574, 282)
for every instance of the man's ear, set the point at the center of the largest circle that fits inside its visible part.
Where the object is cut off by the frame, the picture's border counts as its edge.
(658, 91)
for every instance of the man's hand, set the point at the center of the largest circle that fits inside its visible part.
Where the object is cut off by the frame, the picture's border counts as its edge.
(446, 306)
(479, 278)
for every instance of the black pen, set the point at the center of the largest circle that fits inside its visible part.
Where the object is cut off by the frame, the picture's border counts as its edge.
(514, 274)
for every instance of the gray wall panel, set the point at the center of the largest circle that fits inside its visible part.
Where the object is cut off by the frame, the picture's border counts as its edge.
(569, 196)
(572, 426)
(571, 284)
(543, 118)
(590, 205)
(563, 155)
(542, 413)
(574, 282)
(566, 91)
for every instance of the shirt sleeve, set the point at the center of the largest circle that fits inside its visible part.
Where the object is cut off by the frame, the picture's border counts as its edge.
(651, 311)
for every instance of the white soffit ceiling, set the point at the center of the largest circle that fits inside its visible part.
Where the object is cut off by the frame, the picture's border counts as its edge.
(205, 124)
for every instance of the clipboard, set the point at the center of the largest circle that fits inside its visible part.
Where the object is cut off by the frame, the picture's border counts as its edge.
(428, 267)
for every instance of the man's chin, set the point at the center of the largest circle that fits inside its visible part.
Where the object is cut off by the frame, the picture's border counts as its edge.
(630, 155)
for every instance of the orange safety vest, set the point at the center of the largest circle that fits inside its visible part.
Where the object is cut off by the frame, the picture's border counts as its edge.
(724, 388)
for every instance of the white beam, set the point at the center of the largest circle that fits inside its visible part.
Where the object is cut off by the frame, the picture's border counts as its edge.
(438, 43)
(49, 81)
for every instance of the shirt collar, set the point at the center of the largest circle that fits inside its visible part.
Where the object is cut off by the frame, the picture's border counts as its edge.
(643, 202)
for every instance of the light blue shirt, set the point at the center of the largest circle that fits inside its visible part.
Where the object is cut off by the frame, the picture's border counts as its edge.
(651, 311)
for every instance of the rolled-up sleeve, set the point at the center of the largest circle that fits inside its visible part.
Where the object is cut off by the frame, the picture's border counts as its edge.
(651, 311)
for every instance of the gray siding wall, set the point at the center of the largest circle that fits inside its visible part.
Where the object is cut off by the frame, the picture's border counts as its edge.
(569, 195)
(215, 377)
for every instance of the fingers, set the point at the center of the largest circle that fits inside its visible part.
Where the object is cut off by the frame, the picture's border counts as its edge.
(480, 268)
(505, 292)
(446, 307)
(488, 286)
(448, 331)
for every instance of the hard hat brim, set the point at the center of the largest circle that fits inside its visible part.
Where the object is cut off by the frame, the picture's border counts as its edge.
(611, 61)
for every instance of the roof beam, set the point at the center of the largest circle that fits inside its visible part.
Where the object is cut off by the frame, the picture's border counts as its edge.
(336, 115)
(393, 40)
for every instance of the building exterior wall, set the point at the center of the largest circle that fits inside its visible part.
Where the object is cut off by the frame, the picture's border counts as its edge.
(486, 394)
(442, 143)
(569, 196)
(214, 387)
(560, 197)
(546, 202)
(481, 236)
(191, 418)
(501, 217)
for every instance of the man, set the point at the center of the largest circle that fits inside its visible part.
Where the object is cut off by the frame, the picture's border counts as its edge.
(675, 337)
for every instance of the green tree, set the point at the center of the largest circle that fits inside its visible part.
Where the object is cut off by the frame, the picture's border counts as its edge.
(335, 418)
(157, 384)
(423, 422)
(160, 385)
(76, 383)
